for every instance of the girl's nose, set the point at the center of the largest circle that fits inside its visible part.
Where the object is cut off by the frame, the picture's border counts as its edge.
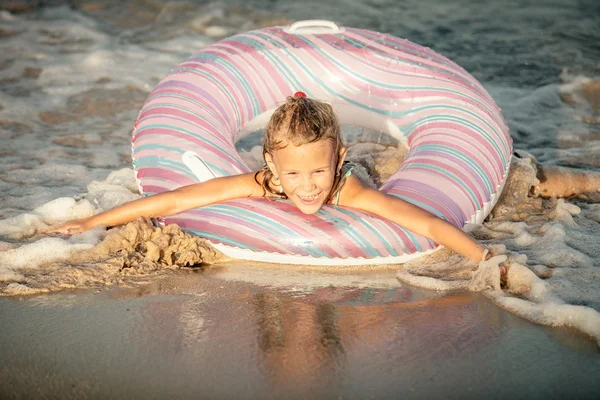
(308, 183)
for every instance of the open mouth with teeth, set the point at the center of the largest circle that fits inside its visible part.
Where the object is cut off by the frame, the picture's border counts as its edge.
(310, 200)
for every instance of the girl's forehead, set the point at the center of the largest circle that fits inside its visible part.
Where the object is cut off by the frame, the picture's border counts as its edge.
(315, 151)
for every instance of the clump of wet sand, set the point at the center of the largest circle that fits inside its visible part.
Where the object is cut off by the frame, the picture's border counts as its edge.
(517, 201)
(125, 255)
(532, 191)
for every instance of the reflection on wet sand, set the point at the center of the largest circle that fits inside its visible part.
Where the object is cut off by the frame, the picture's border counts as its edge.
(299, 342)
(313, 342)
(309, 341)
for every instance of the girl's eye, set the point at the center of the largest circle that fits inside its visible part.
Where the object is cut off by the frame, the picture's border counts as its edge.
(319, 171)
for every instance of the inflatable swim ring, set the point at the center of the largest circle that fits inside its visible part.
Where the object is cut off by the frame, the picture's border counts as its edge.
(459, 144)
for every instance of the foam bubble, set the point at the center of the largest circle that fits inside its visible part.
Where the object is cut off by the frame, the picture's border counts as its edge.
(118, 188)
(56, 211)
(552, 250)
(6, 16)
(584, 319)
(524, 239)
(43, 251)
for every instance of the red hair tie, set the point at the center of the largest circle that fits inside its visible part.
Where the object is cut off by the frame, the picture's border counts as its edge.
(299, 94)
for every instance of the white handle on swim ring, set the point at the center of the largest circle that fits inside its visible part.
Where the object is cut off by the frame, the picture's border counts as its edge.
(313, 26)
(198, 167)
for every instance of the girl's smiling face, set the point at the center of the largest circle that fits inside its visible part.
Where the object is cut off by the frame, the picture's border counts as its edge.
(306, 173)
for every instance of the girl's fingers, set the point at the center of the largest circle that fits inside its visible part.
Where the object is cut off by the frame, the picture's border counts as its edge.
(503, 269)
(62, 230)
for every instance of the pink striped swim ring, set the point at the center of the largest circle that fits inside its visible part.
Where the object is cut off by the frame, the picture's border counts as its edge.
(459, 144)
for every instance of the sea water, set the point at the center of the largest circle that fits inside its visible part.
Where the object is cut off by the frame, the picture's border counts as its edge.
(73, 76)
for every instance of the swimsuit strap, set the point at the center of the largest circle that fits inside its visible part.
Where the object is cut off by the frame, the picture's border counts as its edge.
(348, 166)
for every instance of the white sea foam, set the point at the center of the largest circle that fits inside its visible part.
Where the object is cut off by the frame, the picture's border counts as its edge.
(42, 251)
(553, 312)
(47, 250)
(56, 211)
(563, 252)
(119, 187)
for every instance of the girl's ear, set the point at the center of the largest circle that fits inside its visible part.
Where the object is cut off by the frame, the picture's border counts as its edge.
(271, 164)
(341, 157)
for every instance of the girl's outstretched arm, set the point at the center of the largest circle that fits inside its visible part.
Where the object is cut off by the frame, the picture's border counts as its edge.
(410, 217)
(170, 203)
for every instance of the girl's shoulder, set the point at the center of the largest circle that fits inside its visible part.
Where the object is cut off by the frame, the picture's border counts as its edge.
(353, 178)
(358, 172)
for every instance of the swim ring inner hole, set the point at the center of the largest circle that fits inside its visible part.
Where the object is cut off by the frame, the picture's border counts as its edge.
(373, 142)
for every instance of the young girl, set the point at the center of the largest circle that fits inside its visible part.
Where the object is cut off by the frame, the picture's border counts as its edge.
(304, 157)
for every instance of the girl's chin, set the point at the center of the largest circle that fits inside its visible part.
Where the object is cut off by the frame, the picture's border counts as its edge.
(309, 206)
(308, 210)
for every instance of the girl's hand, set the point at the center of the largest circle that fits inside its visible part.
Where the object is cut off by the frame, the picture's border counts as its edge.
(503, 265)
(72, 227)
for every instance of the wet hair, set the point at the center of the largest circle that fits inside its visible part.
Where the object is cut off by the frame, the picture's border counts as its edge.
(299, 121)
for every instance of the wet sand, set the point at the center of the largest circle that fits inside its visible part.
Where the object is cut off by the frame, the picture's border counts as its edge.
(237, 331)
